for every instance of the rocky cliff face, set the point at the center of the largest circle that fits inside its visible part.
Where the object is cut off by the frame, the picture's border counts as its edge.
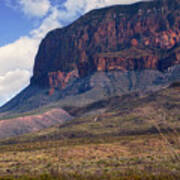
(141, 36)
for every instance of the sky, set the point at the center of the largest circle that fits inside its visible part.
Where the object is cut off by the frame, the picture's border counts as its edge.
(23, 24)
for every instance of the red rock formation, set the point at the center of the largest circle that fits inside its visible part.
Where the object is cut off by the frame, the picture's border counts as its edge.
(125, 64)
(103, 40)
(59, 80)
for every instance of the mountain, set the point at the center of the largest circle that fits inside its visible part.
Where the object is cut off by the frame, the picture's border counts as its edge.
(127, 115)
(125, 38)
(103, 101)
(107, 52)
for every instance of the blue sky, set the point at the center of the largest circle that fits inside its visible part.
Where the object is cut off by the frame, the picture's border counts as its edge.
(13, 24)
(23, 24)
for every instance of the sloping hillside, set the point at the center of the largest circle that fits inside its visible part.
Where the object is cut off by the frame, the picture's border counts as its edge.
(118, 116)
(128, 137)
(30, 123)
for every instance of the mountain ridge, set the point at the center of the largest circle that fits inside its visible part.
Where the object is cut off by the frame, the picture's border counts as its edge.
(109, 51)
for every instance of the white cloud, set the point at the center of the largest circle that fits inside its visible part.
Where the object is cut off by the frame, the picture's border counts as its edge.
(17, 58)
(37, 8)
(18, 55)
(12, 82)
(16, 61)
(102, 3)
(49, 23)
(72, 8)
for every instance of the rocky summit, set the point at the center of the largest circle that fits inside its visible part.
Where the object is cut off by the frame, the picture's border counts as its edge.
(124, 38)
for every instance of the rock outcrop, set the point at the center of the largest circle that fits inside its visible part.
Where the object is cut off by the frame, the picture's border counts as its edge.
(32, 123)
(141, 36)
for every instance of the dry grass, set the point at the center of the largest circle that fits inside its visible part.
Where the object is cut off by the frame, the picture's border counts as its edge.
(106, 154)
(148, 154)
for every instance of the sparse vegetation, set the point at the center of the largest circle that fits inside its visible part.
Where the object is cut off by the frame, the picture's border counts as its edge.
(134, 138)
(127, 157)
